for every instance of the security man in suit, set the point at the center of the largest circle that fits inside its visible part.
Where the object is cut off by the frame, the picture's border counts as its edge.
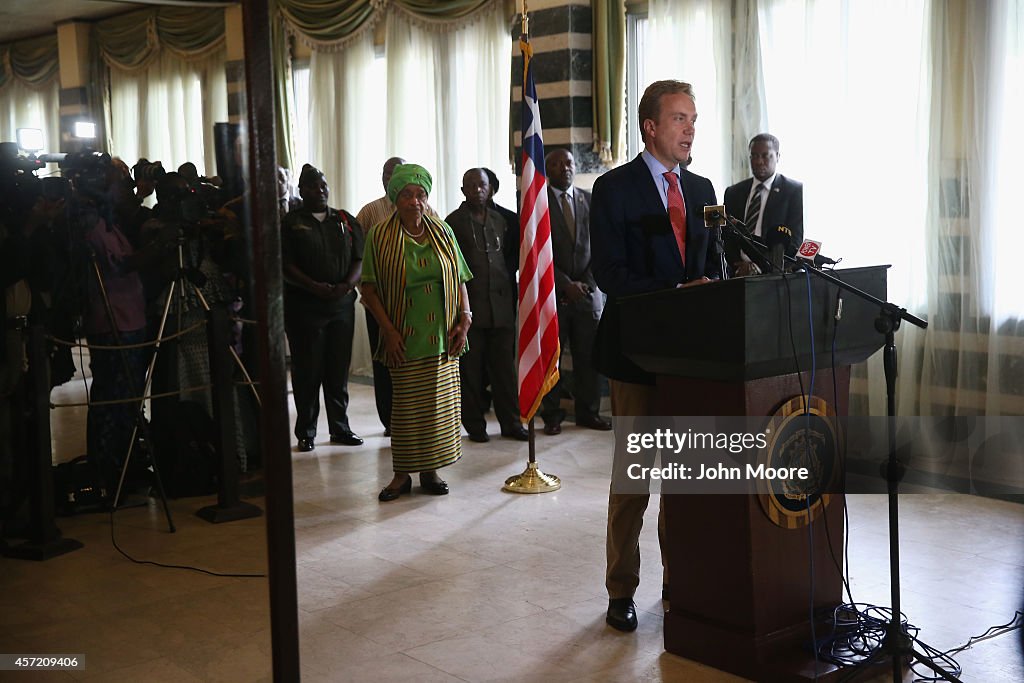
(770, 204)
(647, 233)
(580, 302)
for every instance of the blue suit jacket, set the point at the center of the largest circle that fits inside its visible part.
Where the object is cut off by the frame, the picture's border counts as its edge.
(634, 251)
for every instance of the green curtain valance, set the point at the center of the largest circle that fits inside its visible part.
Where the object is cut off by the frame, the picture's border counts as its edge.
(331, 24)
(131, 41)
(34, 62)
(327, 25)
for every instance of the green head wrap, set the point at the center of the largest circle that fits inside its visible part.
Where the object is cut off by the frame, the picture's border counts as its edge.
(408, 174)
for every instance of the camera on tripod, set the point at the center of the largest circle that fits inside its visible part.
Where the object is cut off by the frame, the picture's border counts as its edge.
(89, 171)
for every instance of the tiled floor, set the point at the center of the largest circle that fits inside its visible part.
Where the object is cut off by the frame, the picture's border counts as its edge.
(479, 585)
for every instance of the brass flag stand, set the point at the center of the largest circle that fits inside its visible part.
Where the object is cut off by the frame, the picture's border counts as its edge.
(536, 300)
(532, 480)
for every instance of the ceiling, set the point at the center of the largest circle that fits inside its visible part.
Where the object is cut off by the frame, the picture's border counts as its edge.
(27, 18)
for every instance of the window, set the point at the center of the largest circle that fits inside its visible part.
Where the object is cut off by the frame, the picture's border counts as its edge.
(636, 36)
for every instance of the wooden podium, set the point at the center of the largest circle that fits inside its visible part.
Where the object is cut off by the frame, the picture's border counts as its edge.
(741, 583)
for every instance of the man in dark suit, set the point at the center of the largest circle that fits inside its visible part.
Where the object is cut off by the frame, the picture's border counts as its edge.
(647, 233)
(580, 302)
(770, 204)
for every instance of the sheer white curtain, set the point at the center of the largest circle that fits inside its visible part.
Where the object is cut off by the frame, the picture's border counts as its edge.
(166, 111)
(447, 103)
(1000, 175)
(847, 88)
(346, 123)
(345, 130)
(848, 93)
(692, 42)
(974, 347)
(24, 107)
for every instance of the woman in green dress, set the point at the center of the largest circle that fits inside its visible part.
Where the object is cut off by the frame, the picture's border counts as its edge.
(414, 285)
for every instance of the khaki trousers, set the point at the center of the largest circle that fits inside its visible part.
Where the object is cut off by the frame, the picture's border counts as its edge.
(626, 511)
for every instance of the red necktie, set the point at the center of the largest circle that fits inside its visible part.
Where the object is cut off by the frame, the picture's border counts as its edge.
(677, 212)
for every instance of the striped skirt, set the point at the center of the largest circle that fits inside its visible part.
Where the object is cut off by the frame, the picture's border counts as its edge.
(426, 414)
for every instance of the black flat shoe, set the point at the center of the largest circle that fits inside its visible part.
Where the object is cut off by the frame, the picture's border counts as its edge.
(437, 487)
(305, 445)
(479, 437)
(387, 494)
(621, 614)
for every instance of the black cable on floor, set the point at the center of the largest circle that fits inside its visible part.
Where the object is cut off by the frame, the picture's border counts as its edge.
(859, 629)
(113, 541)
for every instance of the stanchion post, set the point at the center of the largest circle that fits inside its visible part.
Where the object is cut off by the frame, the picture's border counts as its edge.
(44, 538)
(229, 507)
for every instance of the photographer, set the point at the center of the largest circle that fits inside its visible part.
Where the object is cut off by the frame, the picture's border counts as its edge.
(129, 211)
(146, 174)
(115, 316)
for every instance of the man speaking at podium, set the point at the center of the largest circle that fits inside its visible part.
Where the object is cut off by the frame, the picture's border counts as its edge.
(770, 204)
(647, 233)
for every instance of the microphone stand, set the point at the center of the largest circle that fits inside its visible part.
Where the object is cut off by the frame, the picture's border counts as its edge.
(719, 221)
(716, 235)
(896, 644)
(755, 250)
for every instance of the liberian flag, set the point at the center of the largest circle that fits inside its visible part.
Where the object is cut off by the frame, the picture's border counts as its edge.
(538, 319)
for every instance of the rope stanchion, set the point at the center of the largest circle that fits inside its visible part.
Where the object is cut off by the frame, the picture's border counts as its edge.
(140, 345)
(147, 397)
(230, 507)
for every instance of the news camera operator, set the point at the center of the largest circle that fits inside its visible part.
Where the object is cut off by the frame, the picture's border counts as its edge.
(114, 320)
(29, 209)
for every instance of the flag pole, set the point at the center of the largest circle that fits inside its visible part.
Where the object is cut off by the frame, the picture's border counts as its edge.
(532, 479)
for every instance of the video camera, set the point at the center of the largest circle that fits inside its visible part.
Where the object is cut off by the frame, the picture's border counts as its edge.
(88, 171)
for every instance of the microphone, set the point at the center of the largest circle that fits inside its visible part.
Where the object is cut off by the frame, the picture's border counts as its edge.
(715, 216)
(810, 250)
(778, 240)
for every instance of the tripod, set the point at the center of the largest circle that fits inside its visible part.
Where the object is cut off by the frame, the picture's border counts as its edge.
(140, 420)
(176, 295)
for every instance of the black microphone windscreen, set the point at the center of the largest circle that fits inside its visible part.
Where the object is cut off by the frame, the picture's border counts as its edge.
(778, 235)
